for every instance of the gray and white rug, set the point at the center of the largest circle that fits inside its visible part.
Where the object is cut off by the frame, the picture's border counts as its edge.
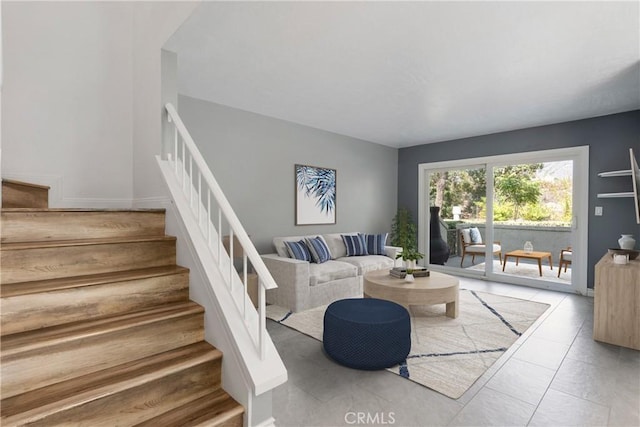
(447, 355)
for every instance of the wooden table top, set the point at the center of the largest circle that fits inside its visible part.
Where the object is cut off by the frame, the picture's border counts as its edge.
(534, 254)
(435, 280)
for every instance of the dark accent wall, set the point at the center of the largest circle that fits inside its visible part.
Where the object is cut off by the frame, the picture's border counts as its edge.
(609, 139)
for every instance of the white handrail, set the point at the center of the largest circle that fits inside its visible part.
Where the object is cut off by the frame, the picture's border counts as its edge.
(191, 178)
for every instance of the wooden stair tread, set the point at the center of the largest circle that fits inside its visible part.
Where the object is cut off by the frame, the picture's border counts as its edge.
(17, 194)
(117, 340)
(25, 184)
(214, 408)
(77, 391)
(27, 210)
(82, 242)
(41, 338)
(37, 286)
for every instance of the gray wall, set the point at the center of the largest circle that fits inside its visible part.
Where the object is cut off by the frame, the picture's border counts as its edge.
(609, 139)
(253, 158)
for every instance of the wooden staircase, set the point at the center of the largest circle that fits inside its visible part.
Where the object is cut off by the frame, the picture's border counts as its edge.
(97, 328)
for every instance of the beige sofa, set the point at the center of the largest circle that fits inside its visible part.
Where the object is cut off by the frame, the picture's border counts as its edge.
(303, 285)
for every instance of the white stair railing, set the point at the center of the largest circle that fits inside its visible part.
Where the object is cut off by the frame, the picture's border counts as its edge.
(212, 211)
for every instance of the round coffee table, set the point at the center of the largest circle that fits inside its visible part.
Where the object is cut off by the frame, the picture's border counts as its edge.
(438, 288)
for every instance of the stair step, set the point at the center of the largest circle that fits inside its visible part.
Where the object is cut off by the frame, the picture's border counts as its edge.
(35, 359)
(24, 225)
(214, 409)
(126, 394)
(28, 261)
(17, 194)
(44, 303)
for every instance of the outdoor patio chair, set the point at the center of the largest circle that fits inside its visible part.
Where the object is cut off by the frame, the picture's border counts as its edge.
(565, 259)
(471, 243)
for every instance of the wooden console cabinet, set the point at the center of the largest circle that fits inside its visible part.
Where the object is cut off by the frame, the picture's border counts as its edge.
(617, 303)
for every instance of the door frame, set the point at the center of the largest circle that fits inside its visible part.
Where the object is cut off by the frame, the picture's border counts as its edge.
(579, 228)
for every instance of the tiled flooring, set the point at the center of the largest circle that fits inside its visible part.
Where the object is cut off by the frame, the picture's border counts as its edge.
(554, 375)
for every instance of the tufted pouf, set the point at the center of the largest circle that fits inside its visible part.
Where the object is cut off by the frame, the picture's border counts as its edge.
(367, 333)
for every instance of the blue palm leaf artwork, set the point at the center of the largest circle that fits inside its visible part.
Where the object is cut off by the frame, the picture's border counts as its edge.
(316, 195)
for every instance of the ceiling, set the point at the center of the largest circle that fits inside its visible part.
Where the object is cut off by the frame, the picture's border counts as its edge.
(408, 73)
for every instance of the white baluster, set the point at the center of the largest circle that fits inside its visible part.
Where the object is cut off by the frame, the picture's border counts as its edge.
(199, 199)
(208, 218)
(175, 150)
(262, 322)
(219, 238)
(191, 182)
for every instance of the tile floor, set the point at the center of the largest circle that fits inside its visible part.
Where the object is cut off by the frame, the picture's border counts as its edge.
(554, 375)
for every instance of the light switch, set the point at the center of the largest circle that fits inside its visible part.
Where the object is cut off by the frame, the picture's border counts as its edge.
(598, 211)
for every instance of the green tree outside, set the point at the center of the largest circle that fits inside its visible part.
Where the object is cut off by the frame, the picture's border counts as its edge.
(520, 194)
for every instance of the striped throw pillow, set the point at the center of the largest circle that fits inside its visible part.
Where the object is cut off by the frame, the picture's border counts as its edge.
(298, 250)
(375, 243)
(319, 250)
(355, 244)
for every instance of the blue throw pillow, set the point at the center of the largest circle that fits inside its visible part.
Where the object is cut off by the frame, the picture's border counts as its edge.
(298, 250)
(318, 249)
(375, 243)
(355, 244)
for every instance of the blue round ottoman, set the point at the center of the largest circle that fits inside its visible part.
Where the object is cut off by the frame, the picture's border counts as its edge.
(367, 333)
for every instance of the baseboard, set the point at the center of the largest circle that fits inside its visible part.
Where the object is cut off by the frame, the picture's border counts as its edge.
(271, 422)
(91, 203)
(152, 203)
(57, 199)
(591, 292)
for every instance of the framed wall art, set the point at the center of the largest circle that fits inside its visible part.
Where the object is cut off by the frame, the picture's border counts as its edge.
(315, 195)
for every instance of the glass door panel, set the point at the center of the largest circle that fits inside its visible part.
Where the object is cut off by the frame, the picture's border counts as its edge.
(457, 216)
(532, 220)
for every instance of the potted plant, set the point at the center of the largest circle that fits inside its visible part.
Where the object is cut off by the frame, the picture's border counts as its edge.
(410, 257)
(404, 234)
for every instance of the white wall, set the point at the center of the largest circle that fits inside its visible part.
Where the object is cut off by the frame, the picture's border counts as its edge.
(67, 99)
(81, 97)
(153, 24)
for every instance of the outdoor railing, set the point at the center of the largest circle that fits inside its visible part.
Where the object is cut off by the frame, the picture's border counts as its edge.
(545, 237)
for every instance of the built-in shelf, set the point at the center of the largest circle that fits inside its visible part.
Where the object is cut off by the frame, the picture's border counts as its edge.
(626, 172)
(614, 195)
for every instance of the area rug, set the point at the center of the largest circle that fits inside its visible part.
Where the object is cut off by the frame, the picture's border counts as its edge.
(447, 355)
(525, 269)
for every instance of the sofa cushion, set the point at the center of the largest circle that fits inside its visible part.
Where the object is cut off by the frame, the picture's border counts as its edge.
(376, 243)
(330, 270)
(367, 263)
(480, 249)
(318, 249)
(336, 245)
(298, 250)
(355, 244)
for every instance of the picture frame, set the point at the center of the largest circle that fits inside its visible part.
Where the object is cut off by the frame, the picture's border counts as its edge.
(315, 195)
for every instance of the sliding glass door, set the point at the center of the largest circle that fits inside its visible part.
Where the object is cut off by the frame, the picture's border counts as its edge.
(511, 218)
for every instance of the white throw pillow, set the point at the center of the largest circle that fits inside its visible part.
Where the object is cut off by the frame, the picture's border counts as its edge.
(475, 236)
